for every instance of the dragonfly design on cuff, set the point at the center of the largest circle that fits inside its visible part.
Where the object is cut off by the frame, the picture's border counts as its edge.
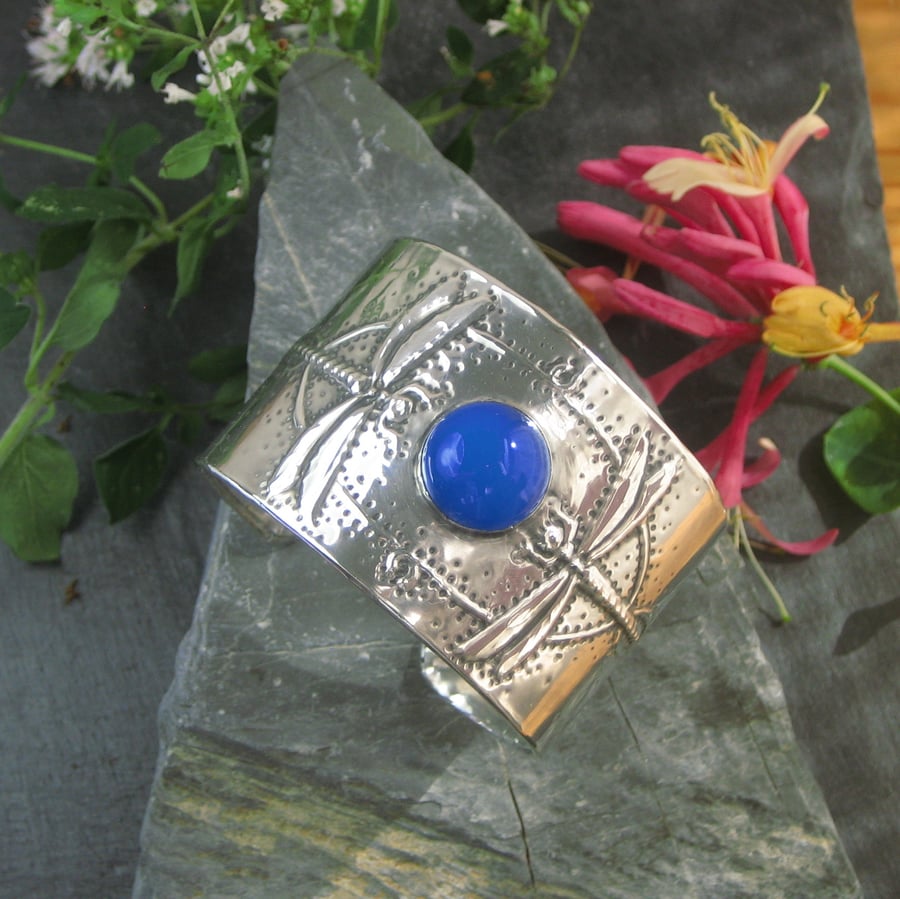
(481, 473)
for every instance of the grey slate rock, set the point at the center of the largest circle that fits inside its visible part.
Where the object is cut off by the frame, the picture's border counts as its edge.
(302, 753)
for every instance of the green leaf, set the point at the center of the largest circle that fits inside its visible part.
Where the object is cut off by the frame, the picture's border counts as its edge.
(130, 473)
(128, 146)
(191, 156)
(214, 366)
(461, 150)
(58, 245)
(193, 246)
(38, 485)
(54, 205)
(16, 267)
(229, 397)
(108, 401)
(175, 64)
(366, 33)
(96, 290)
(862, 450)
(13, 316)
(78, 11)
(460, 46)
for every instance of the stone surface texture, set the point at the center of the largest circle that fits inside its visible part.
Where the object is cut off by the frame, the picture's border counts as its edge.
(303, 754)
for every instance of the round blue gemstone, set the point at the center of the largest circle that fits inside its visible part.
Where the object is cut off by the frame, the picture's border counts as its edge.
(485, 466)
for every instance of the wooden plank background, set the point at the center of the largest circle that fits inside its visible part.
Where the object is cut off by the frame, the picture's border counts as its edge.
(878, 28)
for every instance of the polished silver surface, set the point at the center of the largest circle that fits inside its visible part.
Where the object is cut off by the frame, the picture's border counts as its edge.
(328, 448)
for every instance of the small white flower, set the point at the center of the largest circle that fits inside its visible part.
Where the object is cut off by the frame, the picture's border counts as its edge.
(49, 50)
(92, 63)
(338, 7)
(172, 93)
(240, 34)
(145, 8)
(273, 10)
(495, 26)
(48, 60)
(120, 77)
(235, 193)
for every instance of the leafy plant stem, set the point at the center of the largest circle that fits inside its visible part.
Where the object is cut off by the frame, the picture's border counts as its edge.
(227, 107)
(23, 143)
(745, 544)
(380, 33)
(842, 367)
(445, 115)
(226, 8)
(32, 408)
(573, 52)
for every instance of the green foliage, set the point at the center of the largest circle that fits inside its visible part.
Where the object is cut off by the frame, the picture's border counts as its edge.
(54, 205)
(131, 473)
(97, 287)
(862, 451)
(38, 484)
(191, 156)
(13, 317)
(105, 226)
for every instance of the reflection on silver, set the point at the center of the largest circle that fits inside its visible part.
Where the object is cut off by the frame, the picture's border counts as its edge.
(328, 448)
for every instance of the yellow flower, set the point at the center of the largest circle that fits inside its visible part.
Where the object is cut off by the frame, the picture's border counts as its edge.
(738, 161)
(809, 322)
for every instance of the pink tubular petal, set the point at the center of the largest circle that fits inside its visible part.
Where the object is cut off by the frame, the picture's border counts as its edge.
(710, 456)
(794, 548)
(696, 210)
(794, 212)
(663, 382)
(794, 138)
(595, 287)
(759, 211)
(771, 391)
(738, 216)
(714, 251)
(644, 156)
(653, 304)
(591, 221)
(763, 466)
(770, 276)
(609, 172)
(728, 479)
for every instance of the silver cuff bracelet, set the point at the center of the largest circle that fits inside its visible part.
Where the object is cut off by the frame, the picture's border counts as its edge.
(477, 470)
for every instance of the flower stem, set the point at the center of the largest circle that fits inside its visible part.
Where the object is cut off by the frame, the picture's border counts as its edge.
(51, 149)
(445, 115)
(771, 589)
(842, 367)
(227, 106)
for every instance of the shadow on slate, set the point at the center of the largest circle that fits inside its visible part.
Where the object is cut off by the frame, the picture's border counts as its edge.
(303, 755)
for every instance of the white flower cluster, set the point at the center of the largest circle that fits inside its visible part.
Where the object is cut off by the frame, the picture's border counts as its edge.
(217, 74)
(52, 48)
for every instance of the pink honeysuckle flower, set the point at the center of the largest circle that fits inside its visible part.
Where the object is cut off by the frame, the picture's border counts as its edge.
(737, 162)
(725, 245)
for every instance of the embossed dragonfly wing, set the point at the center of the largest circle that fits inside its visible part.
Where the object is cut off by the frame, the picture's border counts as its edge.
(321, 444)
(515, 624)
(416, 335)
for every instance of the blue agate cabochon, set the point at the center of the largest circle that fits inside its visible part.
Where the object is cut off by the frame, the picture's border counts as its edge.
(485, 466)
